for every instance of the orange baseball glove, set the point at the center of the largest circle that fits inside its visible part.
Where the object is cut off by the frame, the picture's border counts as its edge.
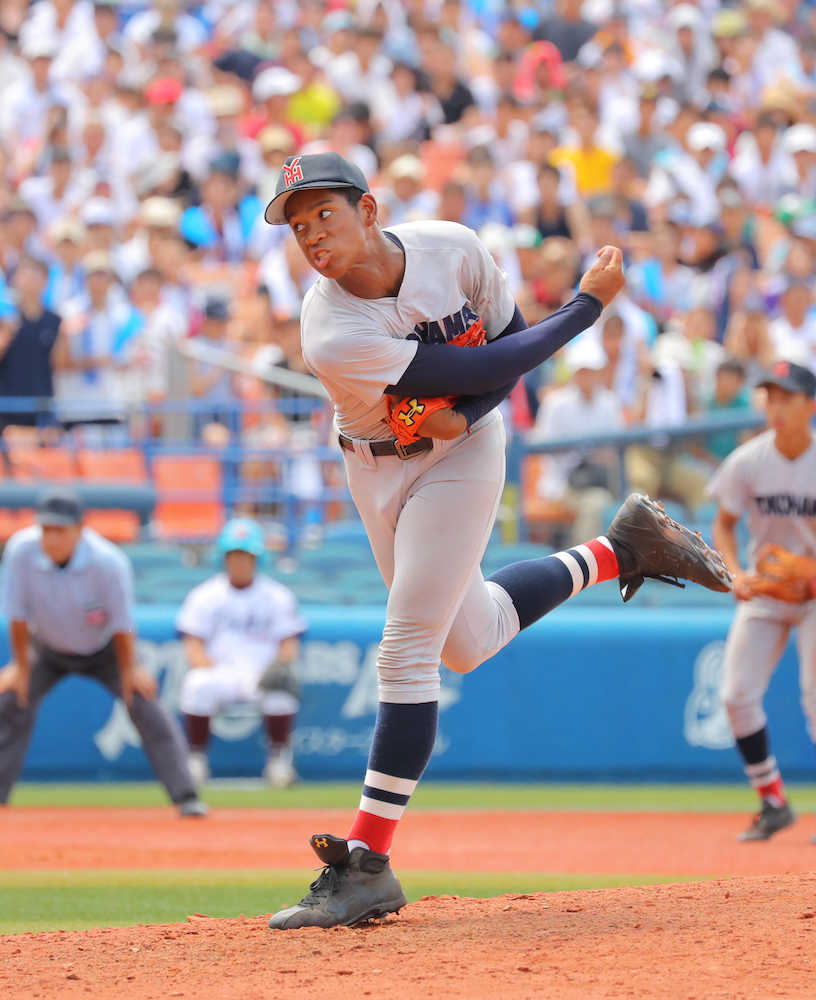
(406, 416)
(784, 575)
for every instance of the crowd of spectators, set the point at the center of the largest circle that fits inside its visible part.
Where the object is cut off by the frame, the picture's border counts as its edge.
(139, 143)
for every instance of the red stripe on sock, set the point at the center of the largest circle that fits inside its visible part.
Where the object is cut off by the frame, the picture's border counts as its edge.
(373, 830)
(605, 558)
(775, 791)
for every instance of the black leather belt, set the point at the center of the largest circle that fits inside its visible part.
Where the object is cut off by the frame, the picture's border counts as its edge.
(382, 449)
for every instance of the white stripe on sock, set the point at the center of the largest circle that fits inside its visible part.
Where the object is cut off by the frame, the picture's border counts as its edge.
(388, 783)
(575, 571)
(385, 810)
(591, 561)
(605, 541)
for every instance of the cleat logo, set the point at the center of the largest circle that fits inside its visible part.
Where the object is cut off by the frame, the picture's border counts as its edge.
(414, 409)
(320, 842)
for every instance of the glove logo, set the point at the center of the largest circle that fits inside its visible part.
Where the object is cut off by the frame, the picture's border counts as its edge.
(292, 172)
(414, 409)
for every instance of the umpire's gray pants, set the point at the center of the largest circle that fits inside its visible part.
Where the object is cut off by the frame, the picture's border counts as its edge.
(160, 733)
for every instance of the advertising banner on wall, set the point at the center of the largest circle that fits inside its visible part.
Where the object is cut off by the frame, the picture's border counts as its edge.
(594, 693)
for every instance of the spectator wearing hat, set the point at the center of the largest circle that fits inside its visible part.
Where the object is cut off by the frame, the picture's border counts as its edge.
(272, 90)
(799, 141)
(346, 136)
(68, 599)
(793, 331)
(87, 390)
(27, 346)
(776, 55)
(584, 483)
(405, 198)
(66, 279)
(693, 48)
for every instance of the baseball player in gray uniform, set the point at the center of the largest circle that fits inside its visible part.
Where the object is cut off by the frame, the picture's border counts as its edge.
(415, 327)
(770, 480)
(67, 596)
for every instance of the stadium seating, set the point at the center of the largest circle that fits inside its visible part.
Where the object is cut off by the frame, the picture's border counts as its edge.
(189, 489)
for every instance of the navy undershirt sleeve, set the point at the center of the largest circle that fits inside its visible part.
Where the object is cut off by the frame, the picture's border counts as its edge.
(437, 371)
(473, 408)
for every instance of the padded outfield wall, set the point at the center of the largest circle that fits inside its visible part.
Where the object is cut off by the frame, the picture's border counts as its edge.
(592, 693)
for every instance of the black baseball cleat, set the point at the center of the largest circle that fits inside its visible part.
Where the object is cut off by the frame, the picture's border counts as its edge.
(648, 544)
(768, 821)
(352, 887)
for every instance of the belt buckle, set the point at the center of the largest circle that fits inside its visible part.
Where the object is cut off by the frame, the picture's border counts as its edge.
(402, 450)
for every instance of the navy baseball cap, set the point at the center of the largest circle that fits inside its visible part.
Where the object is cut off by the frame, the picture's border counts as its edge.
(315, 170)
(789, 376)
(59, 507)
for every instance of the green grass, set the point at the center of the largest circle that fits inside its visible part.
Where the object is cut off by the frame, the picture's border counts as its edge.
(430, 796)
(42, 901)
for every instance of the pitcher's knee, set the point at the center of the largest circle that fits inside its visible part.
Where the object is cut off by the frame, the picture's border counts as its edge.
(745, 713)
(461, 659)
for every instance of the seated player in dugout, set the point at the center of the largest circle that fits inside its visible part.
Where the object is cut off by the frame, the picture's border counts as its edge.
(241, 637)
(415, 336)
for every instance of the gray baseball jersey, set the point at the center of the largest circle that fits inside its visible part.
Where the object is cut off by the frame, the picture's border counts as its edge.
(777, 495)
(429, 518)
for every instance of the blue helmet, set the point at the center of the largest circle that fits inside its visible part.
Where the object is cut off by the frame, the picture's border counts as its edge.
(241, 534)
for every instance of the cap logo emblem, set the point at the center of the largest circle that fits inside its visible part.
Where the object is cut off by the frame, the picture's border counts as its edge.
(292, 172)
(782, 369)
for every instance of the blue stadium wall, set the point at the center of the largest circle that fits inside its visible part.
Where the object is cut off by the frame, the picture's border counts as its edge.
(595, 693)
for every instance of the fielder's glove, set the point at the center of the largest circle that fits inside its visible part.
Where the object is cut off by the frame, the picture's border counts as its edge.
(279, 677)
(784, 575)
(406, 416)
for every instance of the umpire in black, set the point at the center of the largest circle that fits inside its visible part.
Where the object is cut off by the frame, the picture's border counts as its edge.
(67, 596)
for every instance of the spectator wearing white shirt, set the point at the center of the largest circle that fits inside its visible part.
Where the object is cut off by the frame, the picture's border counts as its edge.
(405, 199)
(661, 469)
(168, 15)
(793, 332)
(360, 71)
(762, 166)
(584, 483)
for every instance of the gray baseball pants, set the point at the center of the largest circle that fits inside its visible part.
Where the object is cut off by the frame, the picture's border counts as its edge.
(160, 734)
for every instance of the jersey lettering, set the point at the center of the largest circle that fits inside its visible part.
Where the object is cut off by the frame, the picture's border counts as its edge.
(786, 505)
(441, 331)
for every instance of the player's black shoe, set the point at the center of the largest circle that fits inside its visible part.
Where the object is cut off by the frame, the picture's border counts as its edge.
(353, 887)
(649, 544)
(768, 821)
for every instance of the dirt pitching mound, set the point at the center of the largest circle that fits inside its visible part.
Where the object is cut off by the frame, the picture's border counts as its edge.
(737, 939)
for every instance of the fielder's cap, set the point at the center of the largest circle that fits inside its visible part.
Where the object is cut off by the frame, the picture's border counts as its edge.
(59, 507)
(316, 170)
(241, 534)
(787, 375)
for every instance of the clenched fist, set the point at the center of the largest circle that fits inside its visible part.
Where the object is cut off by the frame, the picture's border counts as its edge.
(605, 278)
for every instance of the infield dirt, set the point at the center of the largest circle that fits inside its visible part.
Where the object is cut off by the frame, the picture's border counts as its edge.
(739, 938)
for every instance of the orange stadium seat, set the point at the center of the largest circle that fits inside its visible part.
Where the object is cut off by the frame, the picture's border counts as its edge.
(123, 465)
(41, 463)
(543, 517)
(183, 518)
(119, 526)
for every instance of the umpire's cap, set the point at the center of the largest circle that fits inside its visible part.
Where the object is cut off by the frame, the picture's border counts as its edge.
(59, 507)
(316, 170)
(789, 376)
(241, 534)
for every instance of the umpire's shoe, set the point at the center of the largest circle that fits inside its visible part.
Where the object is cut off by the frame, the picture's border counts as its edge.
(353, 887)
(649, 544)
(768, 821)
